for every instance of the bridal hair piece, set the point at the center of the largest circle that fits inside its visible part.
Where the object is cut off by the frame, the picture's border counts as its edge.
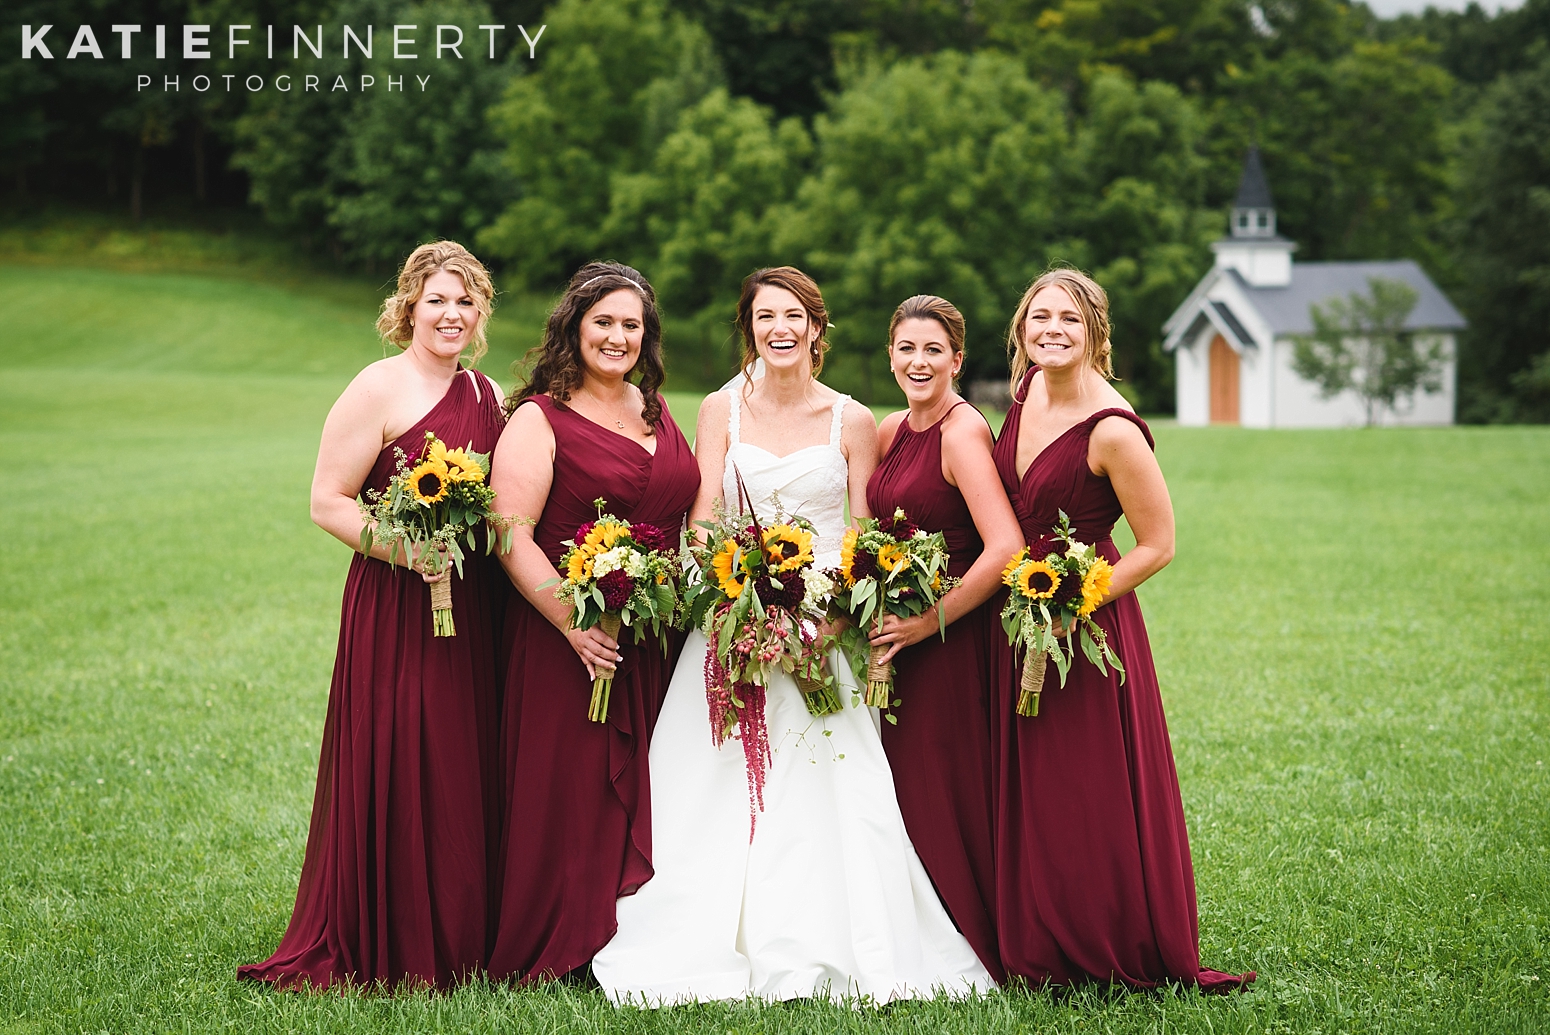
(396, 323)
(1091, 302)
(555, 368)
(806, 291)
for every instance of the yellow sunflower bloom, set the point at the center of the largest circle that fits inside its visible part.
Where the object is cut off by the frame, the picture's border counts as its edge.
(580, 566)
(727, 566)
(605, 534)
(1038, 580)
(848, 555)
(428, 482)
(1095, 586)
(788, 547)
(892, 557)
(467, 468)
(1009, 573)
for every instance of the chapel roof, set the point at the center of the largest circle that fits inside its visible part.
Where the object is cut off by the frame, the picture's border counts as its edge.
(1285, 309)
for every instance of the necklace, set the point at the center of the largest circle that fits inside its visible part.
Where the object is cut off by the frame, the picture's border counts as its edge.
(618, 421)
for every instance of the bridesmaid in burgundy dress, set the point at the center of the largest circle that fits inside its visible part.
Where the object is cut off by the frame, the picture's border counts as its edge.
(393, 885)
(577, 831)
(937, 465)
(1093, 866)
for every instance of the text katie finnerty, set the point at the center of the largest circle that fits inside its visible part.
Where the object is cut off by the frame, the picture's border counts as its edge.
(196, 42)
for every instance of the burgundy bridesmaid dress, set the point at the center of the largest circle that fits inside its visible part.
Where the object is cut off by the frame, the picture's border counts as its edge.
(394, 884)
(577, 832)
(940, 746)
(1094, 879)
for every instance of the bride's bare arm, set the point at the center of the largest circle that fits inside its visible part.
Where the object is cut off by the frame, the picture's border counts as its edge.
(858, 441)
(710, 451)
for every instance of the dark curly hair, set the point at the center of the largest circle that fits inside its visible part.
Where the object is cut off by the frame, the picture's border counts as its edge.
(556, 369)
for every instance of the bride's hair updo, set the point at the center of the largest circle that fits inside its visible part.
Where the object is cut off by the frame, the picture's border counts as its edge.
(396, 323)
(800, 285)
(1091, 302)
(557, 370)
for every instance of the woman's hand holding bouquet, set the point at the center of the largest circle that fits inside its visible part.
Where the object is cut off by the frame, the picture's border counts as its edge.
(888, 566)
(429, 509)
(1055, 588)
(619, 574)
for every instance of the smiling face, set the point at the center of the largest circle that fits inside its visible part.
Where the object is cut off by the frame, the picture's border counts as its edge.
(445, 315)
(783, 333)
(1053, 332)
(611, 334)
(923, 360)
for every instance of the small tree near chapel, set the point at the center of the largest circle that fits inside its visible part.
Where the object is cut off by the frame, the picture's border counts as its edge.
(1360, 342)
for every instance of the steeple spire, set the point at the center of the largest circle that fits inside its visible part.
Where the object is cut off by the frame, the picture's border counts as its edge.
(1253, 210)
(1253, 248)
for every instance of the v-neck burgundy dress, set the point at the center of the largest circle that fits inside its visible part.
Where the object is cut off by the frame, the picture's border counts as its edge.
(1094, 879)
(939, 746)
(577, 832)
(394, 882)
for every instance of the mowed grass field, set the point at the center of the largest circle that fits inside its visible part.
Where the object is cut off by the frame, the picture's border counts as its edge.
(1354, 644)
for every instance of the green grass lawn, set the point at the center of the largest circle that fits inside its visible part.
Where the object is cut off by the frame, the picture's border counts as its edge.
(1353, 645)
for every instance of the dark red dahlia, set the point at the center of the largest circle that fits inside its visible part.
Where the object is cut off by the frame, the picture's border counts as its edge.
(1070, 589)
(863, 565)
(1046, 545)
(765, 587)
(581, 533)
(616, 587)
(648, 535)
(792, 591)
(900, 528)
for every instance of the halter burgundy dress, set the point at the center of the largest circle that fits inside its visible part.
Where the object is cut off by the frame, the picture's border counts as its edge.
(577, 831)
(1094, 879)
(394, 882)
(939, 747)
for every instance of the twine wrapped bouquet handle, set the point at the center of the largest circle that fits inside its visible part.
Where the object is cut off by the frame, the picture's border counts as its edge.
(1032, 683)
(441, 607)
(597, 711)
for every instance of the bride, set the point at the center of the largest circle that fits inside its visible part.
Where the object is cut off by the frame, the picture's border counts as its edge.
(825, 897)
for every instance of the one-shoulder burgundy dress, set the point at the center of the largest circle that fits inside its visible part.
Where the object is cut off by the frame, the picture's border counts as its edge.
(395, 877)
(577, 832)
(1094, 879)
(939, 746)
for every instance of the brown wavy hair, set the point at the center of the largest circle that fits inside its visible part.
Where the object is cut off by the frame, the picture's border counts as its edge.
(396, 322)
(931, 307)
(1091, 301)
(800, 285)
(556, 368)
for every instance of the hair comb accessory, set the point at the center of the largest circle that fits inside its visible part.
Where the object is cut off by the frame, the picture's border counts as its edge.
(603, 276)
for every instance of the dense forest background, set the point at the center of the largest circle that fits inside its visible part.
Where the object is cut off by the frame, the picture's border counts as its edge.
(887, 146)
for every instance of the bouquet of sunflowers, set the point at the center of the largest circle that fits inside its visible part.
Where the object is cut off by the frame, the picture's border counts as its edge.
(617, 574)
(889, 566)
(759, 600)
(428, 507)
(1058, 578)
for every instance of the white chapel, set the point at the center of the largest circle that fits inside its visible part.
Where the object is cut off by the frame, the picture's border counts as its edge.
(1232, 337)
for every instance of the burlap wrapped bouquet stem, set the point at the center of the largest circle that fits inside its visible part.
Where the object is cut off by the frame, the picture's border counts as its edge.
(441, 607)
(879, 676)
(819, 697)
(597, 711)
(1032, 683)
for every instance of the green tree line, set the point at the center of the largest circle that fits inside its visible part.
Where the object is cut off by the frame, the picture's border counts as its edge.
(888, 146)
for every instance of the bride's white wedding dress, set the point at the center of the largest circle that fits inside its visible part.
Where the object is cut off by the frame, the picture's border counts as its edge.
(828, 898)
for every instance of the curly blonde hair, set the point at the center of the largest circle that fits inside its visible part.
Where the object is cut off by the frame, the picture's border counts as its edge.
(1091, 301)
(396, 324)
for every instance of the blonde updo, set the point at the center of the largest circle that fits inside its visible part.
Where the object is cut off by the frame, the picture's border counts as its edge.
(396, 324)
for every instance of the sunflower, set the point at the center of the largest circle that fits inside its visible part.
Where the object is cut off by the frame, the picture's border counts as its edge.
(428, 482)
(788, 547)
(1095, 586)
(727, 566)
(605, 534)
(892, 557)
(467, 468)
(1037, 579)
(1009, 573)
(580, 566)
(848, 556)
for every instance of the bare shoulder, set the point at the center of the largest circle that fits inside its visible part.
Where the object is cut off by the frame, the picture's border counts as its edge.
(857, 417)
(966, 426)
(890, 424)
(531, 423)
(1118, 434)
(714, 411)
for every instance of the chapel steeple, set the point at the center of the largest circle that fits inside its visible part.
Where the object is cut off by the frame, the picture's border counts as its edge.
(1261, 256)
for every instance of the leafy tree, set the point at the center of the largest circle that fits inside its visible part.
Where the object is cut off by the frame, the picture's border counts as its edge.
(1505, 192)
(593, 109)
(936, 175)
(705, 213)
(1360, 344)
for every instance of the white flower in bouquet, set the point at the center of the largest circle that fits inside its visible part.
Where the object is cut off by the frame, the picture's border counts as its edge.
(817, 588)
(609, 560)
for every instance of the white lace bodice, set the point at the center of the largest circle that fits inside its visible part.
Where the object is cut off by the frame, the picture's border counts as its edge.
(812, 482)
